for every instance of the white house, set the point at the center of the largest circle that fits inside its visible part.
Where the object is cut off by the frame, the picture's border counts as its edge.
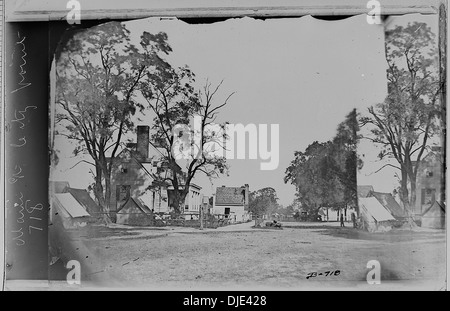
(232, 203)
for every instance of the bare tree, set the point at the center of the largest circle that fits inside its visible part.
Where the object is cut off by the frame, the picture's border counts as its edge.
(172, 98)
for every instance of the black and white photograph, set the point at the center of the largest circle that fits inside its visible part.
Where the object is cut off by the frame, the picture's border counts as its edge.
(293, 146)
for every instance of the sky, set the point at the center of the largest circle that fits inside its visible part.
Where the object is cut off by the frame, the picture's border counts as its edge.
(386, 180)
(303, 74)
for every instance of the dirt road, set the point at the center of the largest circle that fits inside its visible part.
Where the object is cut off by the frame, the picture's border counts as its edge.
(240, 257)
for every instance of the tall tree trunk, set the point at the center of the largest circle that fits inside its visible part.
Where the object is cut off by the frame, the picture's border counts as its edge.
(404, 193)
(176, 194)
(99, 194)
(413, 195)
(98, 188)
(108, 197)
(404, 196)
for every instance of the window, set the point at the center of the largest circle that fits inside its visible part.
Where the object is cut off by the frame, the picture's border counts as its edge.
(126, 157)
(428, 195)
(123, 192)
(429, 174)
(124, 170)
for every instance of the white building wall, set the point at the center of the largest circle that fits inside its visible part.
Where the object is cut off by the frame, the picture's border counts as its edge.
(193, 200)
(237, 213)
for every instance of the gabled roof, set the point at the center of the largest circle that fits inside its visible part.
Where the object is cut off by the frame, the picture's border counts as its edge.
(431, 156)
(144, 209)
(67, 202)
(388, 201)
(146, 164)
(58, 186)
(364, 190)
(230, 196)
(83, 197)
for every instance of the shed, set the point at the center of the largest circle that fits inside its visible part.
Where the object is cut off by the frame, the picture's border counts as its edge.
(434, 216)
(375, 217)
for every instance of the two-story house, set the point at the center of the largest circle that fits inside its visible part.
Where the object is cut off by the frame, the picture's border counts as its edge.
(429, 182)
(134, 186)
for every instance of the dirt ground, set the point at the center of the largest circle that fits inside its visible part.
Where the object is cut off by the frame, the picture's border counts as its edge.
(239, 257)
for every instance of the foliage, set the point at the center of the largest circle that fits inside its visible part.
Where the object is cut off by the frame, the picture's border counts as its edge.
(97, 76)
(325, 173)
(101, 81)
(263, 201)
(173, 99)
(404, 123)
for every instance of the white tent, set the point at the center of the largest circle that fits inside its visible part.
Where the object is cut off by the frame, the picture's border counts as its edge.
(374, 213)
(71, 205)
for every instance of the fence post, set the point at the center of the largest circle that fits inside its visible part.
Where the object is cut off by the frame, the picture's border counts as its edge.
(201, 217)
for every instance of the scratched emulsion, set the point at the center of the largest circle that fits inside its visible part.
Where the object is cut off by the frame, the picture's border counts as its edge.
(26, 176)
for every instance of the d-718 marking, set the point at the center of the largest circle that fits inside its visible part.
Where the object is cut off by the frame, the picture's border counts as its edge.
(327, 273)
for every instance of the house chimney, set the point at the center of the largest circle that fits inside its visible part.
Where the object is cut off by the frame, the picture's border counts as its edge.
(143, 137)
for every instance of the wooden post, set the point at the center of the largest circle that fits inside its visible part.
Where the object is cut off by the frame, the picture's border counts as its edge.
(201, 216)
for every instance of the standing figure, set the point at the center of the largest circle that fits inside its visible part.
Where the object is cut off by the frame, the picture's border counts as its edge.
(342, 220)
(354, 220)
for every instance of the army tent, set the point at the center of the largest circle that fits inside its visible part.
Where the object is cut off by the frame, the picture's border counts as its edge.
(375, 217)
(83, 197)
(68, 210)
(388, 201)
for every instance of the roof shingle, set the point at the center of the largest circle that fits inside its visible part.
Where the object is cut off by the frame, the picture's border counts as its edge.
(230, 196)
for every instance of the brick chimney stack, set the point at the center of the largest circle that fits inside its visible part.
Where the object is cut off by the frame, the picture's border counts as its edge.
(143, 138)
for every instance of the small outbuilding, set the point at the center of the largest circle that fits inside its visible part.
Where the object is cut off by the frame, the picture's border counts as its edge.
(232, 203)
